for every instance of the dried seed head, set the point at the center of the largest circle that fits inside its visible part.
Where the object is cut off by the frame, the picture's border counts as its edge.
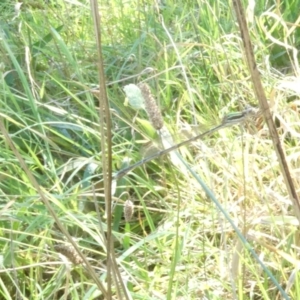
(151, 107)
(128, 210)
(69, 252)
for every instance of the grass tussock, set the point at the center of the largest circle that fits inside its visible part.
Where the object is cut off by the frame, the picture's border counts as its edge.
(170, 240)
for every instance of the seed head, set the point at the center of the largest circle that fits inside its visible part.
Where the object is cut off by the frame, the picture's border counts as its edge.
(151, 107)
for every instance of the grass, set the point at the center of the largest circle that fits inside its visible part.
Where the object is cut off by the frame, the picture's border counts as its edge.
(178, 245)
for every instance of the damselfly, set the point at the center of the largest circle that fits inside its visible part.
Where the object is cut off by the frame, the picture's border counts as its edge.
(229, 120)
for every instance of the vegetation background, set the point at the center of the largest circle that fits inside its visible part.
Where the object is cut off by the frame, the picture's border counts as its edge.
(177, 244)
